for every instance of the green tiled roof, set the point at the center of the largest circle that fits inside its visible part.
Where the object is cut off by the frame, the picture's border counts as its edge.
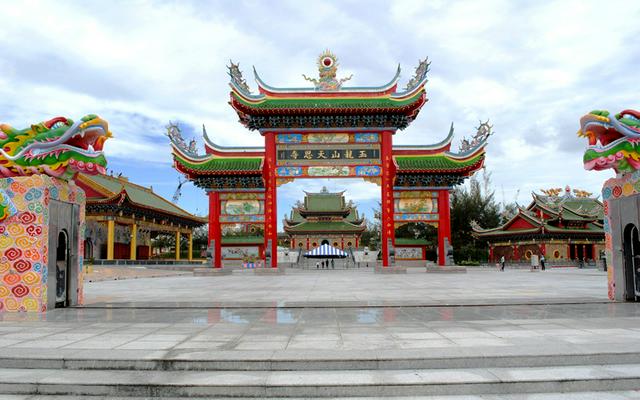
(324, 202)
(328, 102)
(138, 194)
(353, 215)
(325, 227)
(408, 241)
(433, 162)
(242, 240)
(295, 216)
(591, 228)
(223, 164)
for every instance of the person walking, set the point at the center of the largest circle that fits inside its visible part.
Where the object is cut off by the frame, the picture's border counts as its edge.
(317, 265)
(502, 263)
(542, 261)
(333, 265)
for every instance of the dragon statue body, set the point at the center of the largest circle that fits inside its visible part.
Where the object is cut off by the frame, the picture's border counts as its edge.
(614, 143)
(58, 147)
(614, 140)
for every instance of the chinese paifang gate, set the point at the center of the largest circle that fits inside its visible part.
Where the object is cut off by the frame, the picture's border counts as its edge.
(326, 131)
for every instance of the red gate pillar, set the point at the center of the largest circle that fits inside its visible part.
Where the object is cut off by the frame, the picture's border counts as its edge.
(388, 174)
(270, 209)
(215, 229)
(444, 224)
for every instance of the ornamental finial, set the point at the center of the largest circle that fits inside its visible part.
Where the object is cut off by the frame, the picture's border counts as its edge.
(483, 132)
(236, 77)
(327, 68)
(420, 74)
(552, 192)
(175, 135)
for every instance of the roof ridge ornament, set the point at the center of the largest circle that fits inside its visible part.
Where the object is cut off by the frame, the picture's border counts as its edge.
(420, 75)
(483, 131)
(582, 193)
(236, 77)
(175, 135)
(327, 68)
(551, 192)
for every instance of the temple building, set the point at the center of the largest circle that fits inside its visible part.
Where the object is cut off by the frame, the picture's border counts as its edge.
(123, 217)
(562, 227)
(324, 218)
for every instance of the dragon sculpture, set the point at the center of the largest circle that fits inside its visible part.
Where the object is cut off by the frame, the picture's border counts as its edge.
(59, 148)
(614, 141)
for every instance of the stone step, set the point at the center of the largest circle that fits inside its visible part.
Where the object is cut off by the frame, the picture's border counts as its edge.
(616, 395)
(376, 383)
(203, 360)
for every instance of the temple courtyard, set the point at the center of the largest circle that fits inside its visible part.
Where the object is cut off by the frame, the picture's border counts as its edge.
(480, 335)
(352, 288)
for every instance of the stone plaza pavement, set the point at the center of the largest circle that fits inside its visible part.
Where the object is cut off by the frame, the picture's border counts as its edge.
(480, 335)
(356, 287)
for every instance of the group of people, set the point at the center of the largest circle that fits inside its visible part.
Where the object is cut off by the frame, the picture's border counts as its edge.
(325, 264)
(542, 263)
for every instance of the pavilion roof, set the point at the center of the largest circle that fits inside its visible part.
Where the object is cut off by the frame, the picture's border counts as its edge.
(324, 202)
(327, 105)
(324, 226)
(442, 162)
(109, 189)
(559, 215)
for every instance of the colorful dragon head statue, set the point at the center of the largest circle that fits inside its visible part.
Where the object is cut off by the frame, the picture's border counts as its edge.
(59, 147)
(614, 141)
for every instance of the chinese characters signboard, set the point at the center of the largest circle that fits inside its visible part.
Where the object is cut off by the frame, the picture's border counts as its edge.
(346, 155)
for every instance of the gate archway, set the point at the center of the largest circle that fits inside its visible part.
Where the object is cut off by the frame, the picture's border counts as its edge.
(328, 131)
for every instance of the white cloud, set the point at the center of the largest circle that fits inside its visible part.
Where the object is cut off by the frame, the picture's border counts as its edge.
(533, 68)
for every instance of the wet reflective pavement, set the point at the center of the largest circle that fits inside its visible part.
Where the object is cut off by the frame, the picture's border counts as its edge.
(334, 310)
(322, 328)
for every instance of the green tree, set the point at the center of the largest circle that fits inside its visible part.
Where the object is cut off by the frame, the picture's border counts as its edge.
(473, 203)
(371, 235)
(418, 230)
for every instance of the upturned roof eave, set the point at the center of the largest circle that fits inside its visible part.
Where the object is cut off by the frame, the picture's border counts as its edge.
(265, 88)
(443, 145)
(122, 196)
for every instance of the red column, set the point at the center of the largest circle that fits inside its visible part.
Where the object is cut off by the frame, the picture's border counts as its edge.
(516, 253)
(215, 229)
(342, 242)
(388, 174)
(307, 242)
(356, 242)
(444, 224)
(270, 210)
(490, 253)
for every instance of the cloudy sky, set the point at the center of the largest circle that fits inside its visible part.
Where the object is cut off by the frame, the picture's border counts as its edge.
(531, 67)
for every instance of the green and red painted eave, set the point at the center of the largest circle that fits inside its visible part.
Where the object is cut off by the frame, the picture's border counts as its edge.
(214, 165)
(343, 102)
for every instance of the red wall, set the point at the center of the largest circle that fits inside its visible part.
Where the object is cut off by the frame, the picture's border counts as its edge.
(520, 223)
